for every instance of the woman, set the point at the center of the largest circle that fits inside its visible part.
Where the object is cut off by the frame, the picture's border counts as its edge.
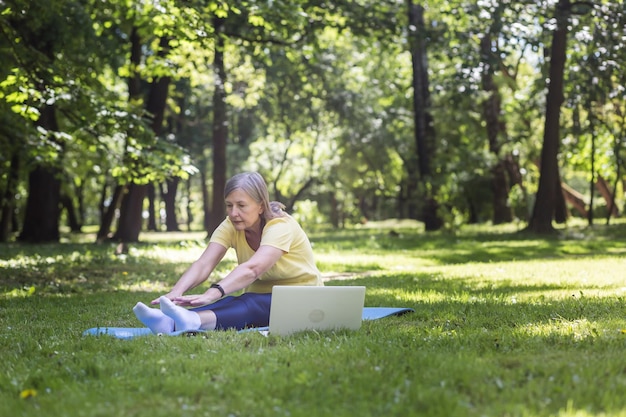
(272, 249)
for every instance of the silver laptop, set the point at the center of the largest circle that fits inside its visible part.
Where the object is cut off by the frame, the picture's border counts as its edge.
(297, 308)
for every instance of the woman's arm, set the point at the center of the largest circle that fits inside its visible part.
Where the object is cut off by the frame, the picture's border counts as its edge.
(240, 277)
(198, 272)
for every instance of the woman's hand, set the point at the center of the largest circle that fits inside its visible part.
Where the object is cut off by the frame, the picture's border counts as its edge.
(172, 296)
(194, 300)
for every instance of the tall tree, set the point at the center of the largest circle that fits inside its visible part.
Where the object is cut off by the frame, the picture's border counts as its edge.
(130, 222)
(549, 201)
(595, 104)
(41, 220)
(43, 40)
(154, 39)
(220, 130)
(495, 125)
(134, 95)
(424, 133)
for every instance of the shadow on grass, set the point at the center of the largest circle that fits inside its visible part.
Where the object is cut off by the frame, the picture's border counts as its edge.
(79, 268)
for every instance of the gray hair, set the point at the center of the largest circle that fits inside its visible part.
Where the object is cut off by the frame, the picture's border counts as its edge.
(253, 184)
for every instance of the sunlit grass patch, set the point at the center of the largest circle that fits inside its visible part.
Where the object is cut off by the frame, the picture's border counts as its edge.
(557, 327)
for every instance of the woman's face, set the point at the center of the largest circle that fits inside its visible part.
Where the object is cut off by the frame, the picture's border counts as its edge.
(243, 211)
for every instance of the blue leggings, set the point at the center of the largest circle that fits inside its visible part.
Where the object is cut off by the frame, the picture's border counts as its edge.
(240, 312)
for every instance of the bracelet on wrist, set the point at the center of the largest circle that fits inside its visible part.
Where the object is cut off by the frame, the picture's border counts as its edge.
(219, 288)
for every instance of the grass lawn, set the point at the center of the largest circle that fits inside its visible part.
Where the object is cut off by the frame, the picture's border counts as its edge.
(505, 324)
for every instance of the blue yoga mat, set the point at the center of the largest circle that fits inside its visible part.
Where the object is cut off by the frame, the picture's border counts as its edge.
(369, 313)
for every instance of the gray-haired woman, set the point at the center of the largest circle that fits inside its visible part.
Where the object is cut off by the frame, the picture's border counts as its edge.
(272, 249)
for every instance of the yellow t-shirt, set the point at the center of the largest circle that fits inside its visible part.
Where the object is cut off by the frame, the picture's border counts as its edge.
(295, 267)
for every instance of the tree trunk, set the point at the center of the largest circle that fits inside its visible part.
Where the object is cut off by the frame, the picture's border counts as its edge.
(80, 199)
(41, 220)
(108, 214)
(131, 211)
(152, 210)
(561, 213)
(515, 177)
(7, 211)
(408, 206)
(549, 180)
(502, 212)
(424, 134)
(70, 210)
(291, 202)
(334, 209)
(220, 133)
(130, 224)
(134, 93)
(206, 203)
(169, 198)
(188, 205)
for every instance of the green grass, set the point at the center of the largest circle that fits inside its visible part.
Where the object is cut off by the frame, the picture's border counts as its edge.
(505, 324)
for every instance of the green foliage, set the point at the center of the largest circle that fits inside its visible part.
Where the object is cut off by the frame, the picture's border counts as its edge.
(596, 93)
(504, 324)
(318, 94)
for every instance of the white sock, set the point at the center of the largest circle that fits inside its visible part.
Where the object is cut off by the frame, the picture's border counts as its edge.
(154, 319)
(184, 319)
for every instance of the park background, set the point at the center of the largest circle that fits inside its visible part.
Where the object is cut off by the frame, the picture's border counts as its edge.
(461, 158)
(130, 116)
